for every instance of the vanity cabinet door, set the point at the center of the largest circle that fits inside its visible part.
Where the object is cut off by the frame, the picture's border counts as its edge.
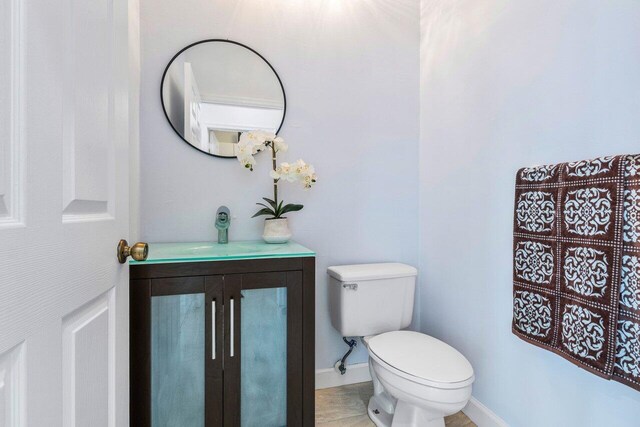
(186, 352)
(217, 344)
(263, 362)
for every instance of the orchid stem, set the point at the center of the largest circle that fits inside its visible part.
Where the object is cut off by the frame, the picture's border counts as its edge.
(275, 181)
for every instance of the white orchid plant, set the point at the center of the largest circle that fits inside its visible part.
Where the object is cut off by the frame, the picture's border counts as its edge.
(252, 143)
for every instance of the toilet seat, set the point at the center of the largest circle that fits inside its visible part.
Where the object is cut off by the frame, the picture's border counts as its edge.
(421, 358)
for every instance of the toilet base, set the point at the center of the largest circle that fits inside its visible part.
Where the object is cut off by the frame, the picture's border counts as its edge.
(405, 415)
(408, 415)
(378, 415)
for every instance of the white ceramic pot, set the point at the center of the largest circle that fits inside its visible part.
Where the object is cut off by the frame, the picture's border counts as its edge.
(276, 230)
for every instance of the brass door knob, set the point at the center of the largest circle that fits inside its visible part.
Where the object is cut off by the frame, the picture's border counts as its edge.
(139, 251)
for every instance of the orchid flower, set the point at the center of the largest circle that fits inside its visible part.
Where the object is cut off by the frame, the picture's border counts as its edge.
(255, 141)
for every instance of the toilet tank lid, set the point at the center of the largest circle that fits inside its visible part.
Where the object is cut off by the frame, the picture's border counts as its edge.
(386, 270)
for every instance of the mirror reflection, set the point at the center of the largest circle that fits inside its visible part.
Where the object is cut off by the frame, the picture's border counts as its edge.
(214, 90)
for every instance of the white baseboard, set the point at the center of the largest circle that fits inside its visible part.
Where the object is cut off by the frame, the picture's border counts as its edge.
(356, 373)
(481, 415)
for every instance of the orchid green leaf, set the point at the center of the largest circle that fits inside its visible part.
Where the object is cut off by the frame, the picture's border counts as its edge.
(271, 202)
(291, 208)
(264, 211)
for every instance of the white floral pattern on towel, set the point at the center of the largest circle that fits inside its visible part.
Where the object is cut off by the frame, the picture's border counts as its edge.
(630, 284)
(588, 211)
(588, 168)
(628, 348)
(536, 211)
(632, 166)
(533, 262)
(582, 332)
(586, 271)
(538, 173)
(532, 313)
(631, 228)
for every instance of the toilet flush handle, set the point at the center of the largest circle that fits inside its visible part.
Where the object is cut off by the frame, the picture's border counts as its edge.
(350, 286)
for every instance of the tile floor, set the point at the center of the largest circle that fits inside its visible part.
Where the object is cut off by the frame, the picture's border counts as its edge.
(346, 406)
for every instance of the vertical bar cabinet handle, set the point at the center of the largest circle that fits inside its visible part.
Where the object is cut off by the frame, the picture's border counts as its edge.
(213, 329)
(232, 328)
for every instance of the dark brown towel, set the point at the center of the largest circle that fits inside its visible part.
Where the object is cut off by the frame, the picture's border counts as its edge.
(576, 263)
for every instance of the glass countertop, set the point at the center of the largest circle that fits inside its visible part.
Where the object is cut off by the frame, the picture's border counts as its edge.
(160, 253)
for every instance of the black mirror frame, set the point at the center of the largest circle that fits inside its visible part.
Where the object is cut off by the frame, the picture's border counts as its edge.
(164, 110)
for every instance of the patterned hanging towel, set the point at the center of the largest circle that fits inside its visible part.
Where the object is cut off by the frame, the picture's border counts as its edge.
(576, 263)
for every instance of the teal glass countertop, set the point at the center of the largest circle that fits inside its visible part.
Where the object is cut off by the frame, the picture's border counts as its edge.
(160, 253)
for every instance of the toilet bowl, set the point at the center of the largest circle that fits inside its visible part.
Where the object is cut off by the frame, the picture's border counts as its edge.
(421, 380)
(417, 379)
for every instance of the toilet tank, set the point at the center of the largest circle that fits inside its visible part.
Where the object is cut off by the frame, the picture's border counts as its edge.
(369, 299)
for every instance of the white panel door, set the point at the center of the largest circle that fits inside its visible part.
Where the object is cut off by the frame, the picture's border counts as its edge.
(64, 204)
(192, 100)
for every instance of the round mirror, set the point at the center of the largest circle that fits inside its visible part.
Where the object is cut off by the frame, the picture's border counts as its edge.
(214, 90)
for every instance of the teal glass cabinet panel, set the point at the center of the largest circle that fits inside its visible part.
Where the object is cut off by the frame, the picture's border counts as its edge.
(263, 359)
(177, 360)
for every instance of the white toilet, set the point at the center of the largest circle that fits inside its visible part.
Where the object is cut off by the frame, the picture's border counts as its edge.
(418, 380)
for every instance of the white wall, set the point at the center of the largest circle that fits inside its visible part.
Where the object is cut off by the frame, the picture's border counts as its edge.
(351, 73)
(506, 84)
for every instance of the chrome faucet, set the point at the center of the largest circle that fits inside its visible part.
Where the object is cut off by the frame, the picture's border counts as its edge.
(223, 221)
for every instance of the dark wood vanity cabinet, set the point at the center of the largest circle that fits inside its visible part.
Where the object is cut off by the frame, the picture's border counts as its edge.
(223, 343)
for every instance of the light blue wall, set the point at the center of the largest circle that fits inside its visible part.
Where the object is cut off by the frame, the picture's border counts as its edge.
(506, 84)
(351, 73)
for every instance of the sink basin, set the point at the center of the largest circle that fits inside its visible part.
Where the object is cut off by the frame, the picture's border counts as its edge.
(205, 251)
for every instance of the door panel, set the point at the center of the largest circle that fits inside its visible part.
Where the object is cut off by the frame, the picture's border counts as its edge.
(87, 109)
(177, 339)
(64, 204)
(263, 365)
(263, 379)
(88, 344)
(11, 92)
(177, 360)
(12, 385)
(180, 322)
(192, 125)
